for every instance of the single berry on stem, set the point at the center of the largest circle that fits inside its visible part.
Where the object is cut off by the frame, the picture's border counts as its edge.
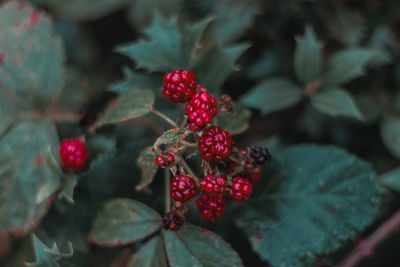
(179, 85)
(215, 144)
(210, 208)
(171, 221)
(183, 188)
(213, 186)
(74, 154)
(240, 189)
(201, 109)
(165, 159)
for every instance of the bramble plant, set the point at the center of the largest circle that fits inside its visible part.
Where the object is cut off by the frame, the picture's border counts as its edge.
(199, 133)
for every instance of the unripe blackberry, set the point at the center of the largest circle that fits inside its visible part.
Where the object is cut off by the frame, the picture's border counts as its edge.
(183, 188)
(210, 208)
(240, 190)
(179, 85)
(215, 144)
(213, 186)
(74, 154)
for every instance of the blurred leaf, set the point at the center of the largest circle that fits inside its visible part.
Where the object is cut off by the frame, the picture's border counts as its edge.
(147, 165)
(233, 17)
(313, 199)
(129, 106)
(195, 246)
(24, 174)
(235, 123)
(370, 109)
(270, 63)
(215, 66)
(391, 179)
(273, 95)
(150, 255)
(336, 102)
(348, 64)
(136, 80)
(54, 184)
(390, 134)
(169, 137)
(31, 72)
(123, 221)
(307, 57)
(347, 27)
(166, 48)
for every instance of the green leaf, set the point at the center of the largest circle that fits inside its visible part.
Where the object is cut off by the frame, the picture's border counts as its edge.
(348, 64)
(336, 102)
(369, 108)
(136, 80)
(194, 246)
(31, 72)
(347, 27)
(233, 17)
(150, 255)
(312, 199)
(24, 174)
(273, 95)
(49, 257)
(133, 105)
(307, 57)
(235, 123)
(216, 65)
(147, 165)
(68, 187)
(390, 134)
(123, 221)
(391, 179)
(170, 137)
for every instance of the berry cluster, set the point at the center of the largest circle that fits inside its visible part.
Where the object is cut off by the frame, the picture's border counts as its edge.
(165, 159)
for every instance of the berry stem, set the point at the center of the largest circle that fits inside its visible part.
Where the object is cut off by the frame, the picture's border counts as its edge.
(188, 144)
(164, 117)
(167, 200)
(189, 170)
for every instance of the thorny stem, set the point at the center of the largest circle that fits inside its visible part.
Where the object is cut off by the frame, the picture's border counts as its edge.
(189, 170)
(167, 200)
(188, 144)
(365, 248)
(164, 117)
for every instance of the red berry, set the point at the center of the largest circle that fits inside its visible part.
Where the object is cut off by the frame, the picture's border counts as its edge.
(171, 221)
(74, 154)
(179, 85)
(213, 186)
(183, 188)
(215, 144)
(210, 208)
(255, 176)
(165, 159)
(201, 109)
(240, 189)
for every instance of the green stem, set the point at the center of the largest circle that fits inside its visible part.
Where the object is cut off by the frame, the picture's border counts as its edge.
(164, 117)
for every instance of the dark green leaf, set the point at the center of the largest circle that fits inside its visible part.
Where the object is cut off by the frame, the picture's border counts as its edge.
(312, 199)
(169, 137)
(147, 165)
(150, 255)
(348, 27)
(336, 102)
(369, 108)
(235, 123)
(273, 95)
(194, 246)
(137, 80)
(124, 221)
(391, 179)
(390, 133)
(307, 57)
(129, 106)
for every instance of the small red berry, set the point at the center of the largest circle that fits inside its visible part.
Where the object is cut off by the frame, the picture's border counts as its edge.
(210, 208)
(215, 144)
(179, 85)
(213, 186)
(171, 221)
(165, 159)
(183, 188)
(74, 154)
(201, 109)
(255, 176)
(240, 189)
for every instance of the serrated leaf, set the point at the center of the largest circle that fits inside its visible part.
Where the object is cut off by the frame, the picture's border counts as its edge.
(24, 174)
(312, 199)
(233, 17)
(273, 95)
(390, 134)
(197, 247)
(171, 136)
(136, 80)
(147, 165)
(123, 221)
(129, 106)
(31, 72)
(236, 122)
(348, 64)
(307, 57)
(391, 179)
(214, 67)
(150, 255)
(336, 102)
